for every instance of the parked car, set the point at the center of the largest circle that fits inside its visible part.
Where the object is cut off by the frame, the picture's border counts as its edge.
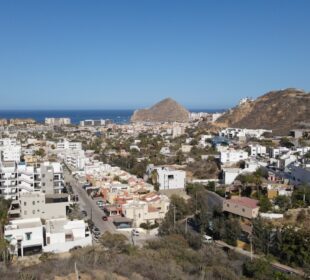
(207, 239)
(96, 231)
(135, 232)
(105, 218)
(84, 213)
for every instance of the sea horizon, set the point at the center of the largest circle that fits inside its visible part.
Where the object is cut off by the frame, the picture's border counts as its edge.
(76, 115)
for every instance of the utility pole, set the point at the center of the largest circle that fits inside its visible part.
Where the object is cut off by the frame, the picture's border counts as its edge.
(186, 225)
(174, 216)
(76, 271)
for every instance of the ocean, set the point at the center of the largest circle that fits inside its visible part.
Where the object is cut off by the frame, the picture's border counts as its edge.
(117, 116)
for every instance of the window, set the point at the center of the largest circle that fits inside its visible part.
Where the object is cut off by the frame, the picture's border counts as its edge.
(25, 203)
(243, 210)
(25, 212)
(33, 202)
(28, 235)
(170, 177)
(33, 211)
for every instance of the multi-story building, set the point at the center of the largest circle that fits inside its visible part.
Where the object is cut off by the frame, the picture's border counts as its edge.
(93, 123)
(258, 150)
(63, 235)
(166, 178)
(23, 235)
(10, 150)
(57, 121)
(37, 204)
(15, 178)
(233, 156)
(67, 145)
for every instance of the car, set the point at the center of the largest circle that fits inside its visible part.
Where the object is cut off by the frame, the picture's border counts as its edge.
(135, 232)
(207, 239)
(105, 218)
(96, 231)
(99, 202)
(84, 213)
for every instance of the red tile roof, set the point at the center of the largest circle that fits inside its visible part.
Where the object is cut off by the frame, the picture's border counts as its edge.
(244, 201)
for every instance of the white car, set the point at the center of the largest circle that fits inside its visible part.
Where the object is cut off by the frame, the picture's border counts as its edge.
(207, 239)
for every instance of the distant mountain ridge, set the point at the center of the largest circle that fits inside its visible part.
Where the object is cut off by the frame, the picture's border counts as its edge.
(279, 111)
(167, 110)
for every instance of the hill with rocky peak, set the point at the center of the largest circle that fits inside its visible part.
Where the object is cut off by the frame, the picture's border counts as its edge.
(167, 110)
(279, 111)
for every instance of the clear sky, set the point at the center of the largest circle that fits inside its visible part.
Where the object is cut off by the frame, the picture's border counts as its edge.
(58, 54)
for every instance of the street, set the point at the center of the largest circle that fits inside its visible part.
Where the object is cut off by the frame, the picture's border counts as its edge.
(89, 205)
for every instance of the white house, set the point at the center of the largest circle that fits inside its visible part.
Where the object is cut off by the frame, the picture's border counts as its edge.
(257, 150)
(167, 178)
(24, 234)
(62, 235)
(233, 156)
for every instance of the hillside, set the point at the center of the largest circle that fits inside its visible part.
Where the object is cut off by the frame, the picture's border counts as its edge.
(167, 110)
(279, 111)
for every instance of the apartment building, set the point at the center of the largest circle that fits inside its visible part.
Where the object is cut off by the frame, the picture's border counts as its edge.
(67, 145)
(15, 178)
(37, 204)
(10, 150)
(93, 123)
(57, 121)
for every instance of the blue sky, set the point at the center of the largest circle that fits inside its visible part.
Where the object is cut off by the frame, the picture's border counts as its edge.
(58, 54)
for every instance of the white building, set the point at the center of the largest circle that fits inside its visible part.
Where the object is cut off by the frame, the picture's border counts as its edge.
(62, 235)
(243, 133)
(274, 152)
(24, 234)
(258, 150)
(233, 156)
(10, 150)
(167, 178)
(15, 178)
(67, 145)
(39, 205)
(57, 121)
(93, 123)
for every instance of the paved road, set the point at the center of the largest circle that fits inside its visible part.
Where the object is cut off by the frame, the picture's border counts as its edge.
(89, 205)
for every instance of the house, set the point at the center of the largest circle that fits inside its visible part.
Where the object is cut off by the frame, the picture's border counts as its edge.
(150, 208)
(257, 150)
(24, 235)
(63, 235)
(241, 206)
(233, 156)
(166, 178)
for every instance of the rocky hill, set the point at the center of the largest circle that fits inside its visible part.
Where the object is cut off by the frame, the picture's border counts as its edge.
(167, 110)
(280, 111)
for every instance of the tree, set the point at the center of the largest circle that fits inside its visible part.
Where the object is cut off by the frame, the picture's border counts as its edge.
(232, 231)
(264, 204)
(283, 202)
(114, 243)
